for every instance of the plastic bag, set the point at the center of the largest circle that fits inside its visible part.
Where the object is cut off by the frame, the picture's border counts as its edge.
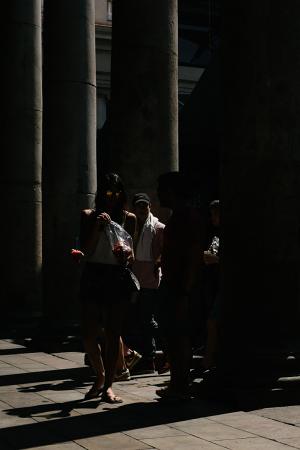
(130, 283)
(122, 245)
(120, 241)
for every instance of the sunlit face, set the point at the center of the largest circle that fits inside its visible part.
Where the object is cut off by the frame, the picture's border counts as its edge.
(112, 195)
(142, 210)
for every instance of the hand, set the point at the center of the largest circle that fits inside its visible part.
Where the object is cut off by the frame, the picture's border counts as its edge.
(77, 255)
(123, 252)
(210, 258)
(102, 220)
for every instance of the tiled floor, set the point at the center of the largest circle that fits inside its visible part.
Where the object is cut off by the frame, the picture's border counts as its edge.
(42, 407)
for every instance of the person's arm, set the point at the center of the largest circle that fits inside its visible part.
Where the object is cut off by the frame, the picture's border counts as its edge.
(131, 224)
(85, 219)
(90, 228)
(157, 245)
(131, 228)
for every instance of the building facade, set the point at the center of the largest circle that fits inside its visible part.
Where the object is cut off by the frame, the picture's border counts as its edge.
(189, 71)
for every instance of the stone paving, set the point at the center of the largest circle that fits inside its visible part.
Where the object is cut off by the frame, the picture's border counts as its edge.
(41, 407)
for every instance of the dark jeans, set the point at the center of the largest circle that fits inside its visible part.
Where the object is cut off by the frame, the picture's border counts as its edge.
(141, 327)
(174, 312)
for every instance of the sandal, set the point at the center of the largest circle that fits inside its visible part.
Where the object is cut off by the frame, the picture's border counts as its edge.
(94, 392)
(124, 375)
(164, 368)
(114, 399)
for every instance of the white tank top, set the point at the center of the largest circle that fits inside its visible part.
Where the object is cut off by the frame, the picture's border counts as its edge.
(103, 253)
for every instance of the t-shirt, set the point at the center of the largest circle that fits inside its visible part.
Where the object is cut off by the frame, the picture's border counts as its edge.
(144, 270)
(182, 246)
(103, 252)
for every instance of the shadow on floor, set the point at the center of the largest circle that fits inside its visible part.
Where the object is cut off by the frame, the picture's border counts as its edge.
(118, 419)
(81, 373)
(115, 419)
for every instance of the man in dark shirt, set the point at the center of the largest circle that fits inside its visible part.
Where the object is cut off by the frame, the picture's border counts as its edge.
(181, 261)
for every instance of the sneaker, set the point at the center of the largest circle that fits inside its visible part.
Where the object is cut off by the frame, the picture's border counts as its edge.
(132, 359)
(124, 375)
(165, 368)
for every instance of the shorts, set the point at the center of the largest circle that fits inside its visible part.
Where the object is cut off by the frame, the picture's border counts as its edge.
(101, 284)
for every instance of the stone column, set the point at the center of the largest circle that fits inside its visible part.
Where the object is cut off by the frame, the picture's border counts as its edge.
(69, 151)
(260, 183)
(199, 133)
(144, 92)
(21, 158)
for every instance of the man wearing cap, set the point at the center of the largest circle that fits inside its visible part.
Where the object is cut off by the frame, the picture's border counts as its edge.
(148, 246)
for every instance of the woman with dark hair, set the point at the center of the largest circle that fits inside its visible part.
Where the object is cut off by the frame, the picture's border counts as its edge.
(101, 291)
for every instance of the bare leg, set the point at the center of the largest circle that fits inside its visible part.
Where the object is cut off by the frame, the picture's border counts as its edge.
(113, 325)
(127, 350)
(90, 330)
(121, 365)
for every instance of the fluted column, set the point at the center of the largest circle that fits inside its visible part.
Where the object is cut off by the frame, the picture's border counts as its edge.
(144, 96)
(21, 158)
(69, 151)
(260, 182)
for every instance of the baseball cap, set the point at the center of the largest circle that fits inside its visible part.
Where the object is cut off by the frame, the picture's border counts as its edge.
(141, 197)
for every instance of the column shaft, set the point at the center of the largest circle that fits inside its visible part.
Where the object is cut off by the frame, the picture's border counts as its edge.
(260, 180)
(20, 171)
(69, 151)
(144, 97)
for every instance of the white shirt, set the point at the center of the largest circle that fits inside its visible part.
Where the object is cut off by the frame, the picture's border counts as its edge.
(103, 252)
